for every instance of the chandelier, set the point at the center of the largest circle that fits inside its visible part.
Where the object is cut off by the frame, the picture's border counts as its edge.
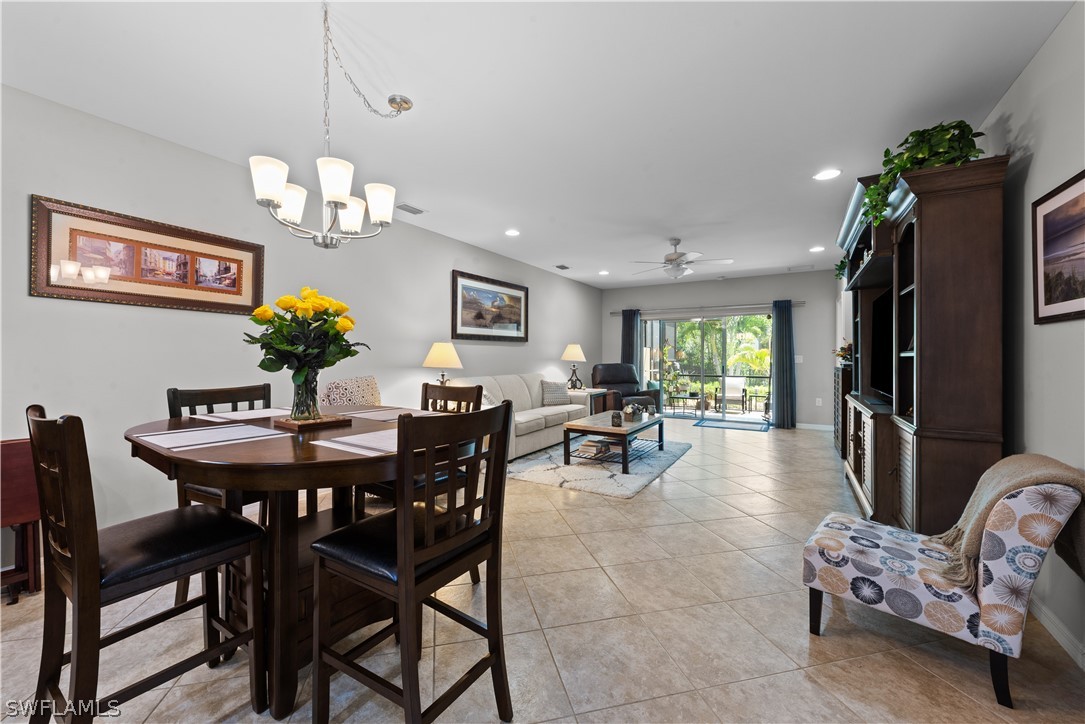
(286, 201)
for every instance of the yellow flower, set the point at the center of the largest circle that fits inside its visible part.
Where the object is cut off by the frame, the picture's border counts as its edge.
(317, 303)
(303, 309)
(307, 293)
(338, 307)
(344, 324)
(287, 302)
(264, 313)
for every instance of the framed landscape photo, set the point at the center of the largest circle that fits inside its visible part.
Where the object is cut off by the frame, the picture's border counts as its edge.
(1058, 253)
(138, 261)
(488, 309)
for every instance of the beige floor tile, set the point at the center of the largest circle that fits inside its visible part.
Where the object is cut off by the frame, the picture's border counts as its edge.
(651, 513)
(799, 525)
(612, 662)
(622, 546)
(212, 700)
(805, 498)
(890, 687)
(719, 486)
(687, 708)
(793, 697)
(659, 585)
(713, 645)
(748, 532)
(758, 483)
(686, 539)
(673, 489)
(785, 561)
(571, 597)
(536, 688)
(524, 501)
(517, 613)
(734, 575)
(562, 498)
(593, 520)
(540, 524)
(755, 503)
(551, 555)
(706, 509)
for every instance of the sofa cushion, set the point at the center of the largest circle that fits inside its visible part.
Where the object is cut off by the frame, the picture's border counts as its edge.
(554, 393)
(553, 415)
(526, 422)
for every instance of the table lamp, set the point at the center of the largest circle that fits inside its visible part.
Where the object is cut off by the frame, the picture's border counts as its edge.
(442, 356)
(574, 354)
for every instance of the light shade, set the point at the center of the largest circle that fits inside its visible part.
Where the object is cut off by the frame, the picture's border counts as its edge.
(268, 178)
(101, 274)
(350, 218)
(335, 179)
(88, 274)
(573, 353)
(677, 272)
(69, 269)
(54, 272)
(442, 355)
(382, 199)
(293, 207)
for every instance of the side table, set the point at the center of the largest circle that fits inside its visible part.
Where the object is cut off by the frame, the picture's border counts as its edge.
(596, 396)
(21, 512)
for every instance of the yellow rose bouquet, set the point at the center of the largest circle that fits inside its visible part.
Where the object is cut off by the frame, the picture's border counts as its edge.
(307, 335)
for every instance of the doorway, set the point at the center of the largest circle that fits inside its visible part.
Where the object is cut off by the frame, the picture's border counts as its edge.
(711, 368)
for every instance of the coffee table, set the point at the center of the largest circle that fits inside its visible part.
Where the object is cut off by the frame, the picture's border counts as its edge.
(625, 435)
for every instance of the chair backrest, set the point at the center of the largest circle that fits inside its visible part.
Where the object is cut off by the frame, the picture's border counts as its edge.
(449, 398)
(472, 481)
(204, 401)
(734, 386)
(615, 376)
(352, 391)
(70, 526)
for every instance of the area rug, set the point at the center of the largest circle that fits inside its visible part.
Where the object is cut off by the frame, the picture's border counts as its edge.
(547, 467)
(735, 425)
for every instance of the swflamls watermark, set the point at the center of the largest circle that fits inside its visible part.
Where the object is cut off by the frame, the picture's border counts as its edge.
(25, 708)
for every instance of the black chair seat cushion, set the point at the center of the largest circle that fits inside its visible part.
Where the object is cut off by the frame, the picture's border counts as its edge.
(247, 496)
(369, 546)
(173, 540)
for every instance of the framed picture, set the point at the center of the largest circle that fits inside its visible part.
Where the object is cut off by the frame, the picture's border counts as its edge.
(138, 261)
(488, 309)
(1058, 253)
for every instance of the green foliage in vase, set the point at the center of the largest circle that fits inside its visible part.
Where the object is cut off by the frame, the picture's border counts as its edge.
(938, 145)
(309, 334)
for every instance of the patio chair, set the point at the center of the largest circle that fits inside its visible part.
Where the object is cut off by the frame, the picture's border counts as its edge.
(734, 392)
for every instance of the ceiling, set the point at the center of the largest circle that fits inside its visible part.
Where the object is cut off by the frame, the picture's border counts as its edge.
(596, 129)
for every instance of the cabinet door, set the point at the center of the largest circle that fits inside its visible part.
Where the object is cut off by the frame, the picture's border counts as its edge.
(869, 463)
(906, 478)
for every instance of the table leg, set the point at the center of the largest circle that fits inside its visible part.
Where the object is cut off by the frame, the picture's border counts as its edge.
(660, 434)
(282, 566)
(625, 454)
(567, 460)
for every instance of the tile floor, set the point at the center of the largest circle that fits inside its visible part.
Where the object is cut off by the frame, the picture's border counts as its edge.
(683, 604)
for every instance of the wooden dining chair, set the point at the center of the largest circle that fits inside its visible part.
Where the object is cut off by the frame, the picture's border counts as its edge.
(405, 555)
(94, 568)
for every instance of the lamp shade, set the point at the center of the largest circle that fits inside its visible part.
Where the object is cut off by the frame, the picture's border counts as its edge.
(442, 355)
(573, 353)
(88, 274)
(335, 178)
(350, 218)
(268, 178)
(69, 269)
(293, 207)
(382, 199)
(677, 272)
(101, 273)
(54, 272)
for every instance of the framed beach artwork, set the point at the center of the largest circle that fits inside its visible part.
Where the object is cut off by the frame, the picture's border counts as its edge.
(78, 252)
(488, 309)
(1058, 253)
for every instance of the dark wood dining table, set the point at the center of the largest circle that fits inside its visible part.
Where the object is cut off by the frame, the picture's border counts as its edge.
(284, 466)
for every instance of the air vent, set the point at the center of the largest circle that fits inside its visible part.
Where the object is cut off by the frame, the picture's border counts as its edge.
(561, 266)
(805, 267)
(410, 209)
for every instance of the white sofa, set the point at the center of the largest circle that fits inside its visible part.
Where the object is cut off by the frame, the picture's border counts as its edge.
(534, 426)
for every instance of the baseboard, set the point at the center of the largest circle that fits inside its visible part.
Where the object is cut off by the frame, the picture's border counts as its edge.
(1055, 627)
(812, 426)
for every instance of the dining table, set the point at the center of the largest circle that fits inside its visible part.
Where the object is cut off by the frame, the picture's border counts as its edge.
(247, 451)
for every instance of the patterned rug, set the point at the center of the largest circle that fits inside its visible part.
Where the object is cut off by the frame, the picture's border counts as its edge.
(547, 467)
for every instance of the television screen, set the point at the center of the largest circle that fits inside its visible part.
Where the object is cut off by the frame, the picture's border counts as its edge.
(881, 344)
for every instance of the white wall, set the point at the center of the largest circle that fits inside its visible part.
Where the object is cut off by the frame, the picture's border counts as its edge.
(1040, 122)
(111, 364)
(815, 323)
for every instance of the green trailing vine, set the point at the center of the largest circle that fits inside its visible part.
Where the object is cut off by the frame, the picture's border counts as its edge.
(939, 145)
(841, 267)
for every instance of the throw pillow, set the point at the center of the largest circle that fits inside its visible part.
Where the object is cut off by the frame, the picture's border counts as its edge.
(489, 400)
(555, 393)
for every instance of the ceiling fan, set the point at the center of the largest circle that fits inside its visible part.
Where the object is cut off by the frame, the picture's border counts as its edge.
(677, 264)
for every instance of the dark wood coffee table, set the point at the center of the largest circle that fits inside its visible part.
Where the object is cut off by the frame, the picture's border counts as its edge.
(625, 435)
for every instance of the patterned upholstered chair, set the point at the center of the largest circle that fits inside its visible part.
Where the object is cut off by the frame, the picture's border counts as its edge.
(352, 391)
(901, 573)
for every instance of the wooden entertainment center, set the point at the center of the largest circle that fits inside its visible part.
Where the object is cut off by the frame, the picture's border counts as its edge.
(924, 418)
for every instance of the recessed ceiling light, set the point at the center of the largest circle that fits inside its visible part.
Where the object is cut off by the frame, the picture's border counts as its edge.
(512, 232)
(603, 273)
(817, 248)
(827, 174)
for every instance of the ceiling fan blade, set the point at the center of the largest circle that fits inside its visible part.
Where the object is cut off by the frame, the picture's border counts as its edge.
(645, 262)
(691, 255)
(715, 261)
(644, 271)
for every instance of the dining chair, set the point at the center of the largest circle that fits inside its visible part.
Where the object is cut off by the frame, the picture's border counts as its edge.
(405, 555)
(95, 568)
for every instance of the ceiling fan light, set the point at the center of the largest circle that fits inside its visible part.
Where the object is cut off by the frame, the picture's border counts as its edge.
(382, 199)
(335, 178)
(677, 271)
(268, 179)
(350, 218)
(293, 207)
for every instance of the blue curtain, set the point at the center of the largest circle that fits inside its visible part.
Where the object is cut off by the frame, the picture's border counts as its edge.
(783, 365)
(631, 338)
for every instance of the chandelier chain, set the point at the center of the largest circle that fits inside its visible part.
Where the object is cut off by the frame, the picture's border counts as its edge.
(339, 61)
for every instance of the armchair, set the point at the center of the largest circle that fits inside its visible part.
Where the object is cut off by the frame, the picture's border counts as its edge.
(623, 386)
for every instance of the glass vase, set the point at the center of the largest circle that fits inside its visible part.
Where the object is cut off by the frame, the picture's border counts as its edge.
(306, 400)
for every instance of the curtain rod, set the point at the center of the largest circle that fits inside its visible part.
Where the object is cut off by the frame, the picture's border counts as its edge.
(709, 310)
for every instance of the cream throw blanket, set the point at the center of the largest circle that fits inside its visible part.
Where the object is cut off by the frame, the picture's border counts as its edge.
(1007, 475)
